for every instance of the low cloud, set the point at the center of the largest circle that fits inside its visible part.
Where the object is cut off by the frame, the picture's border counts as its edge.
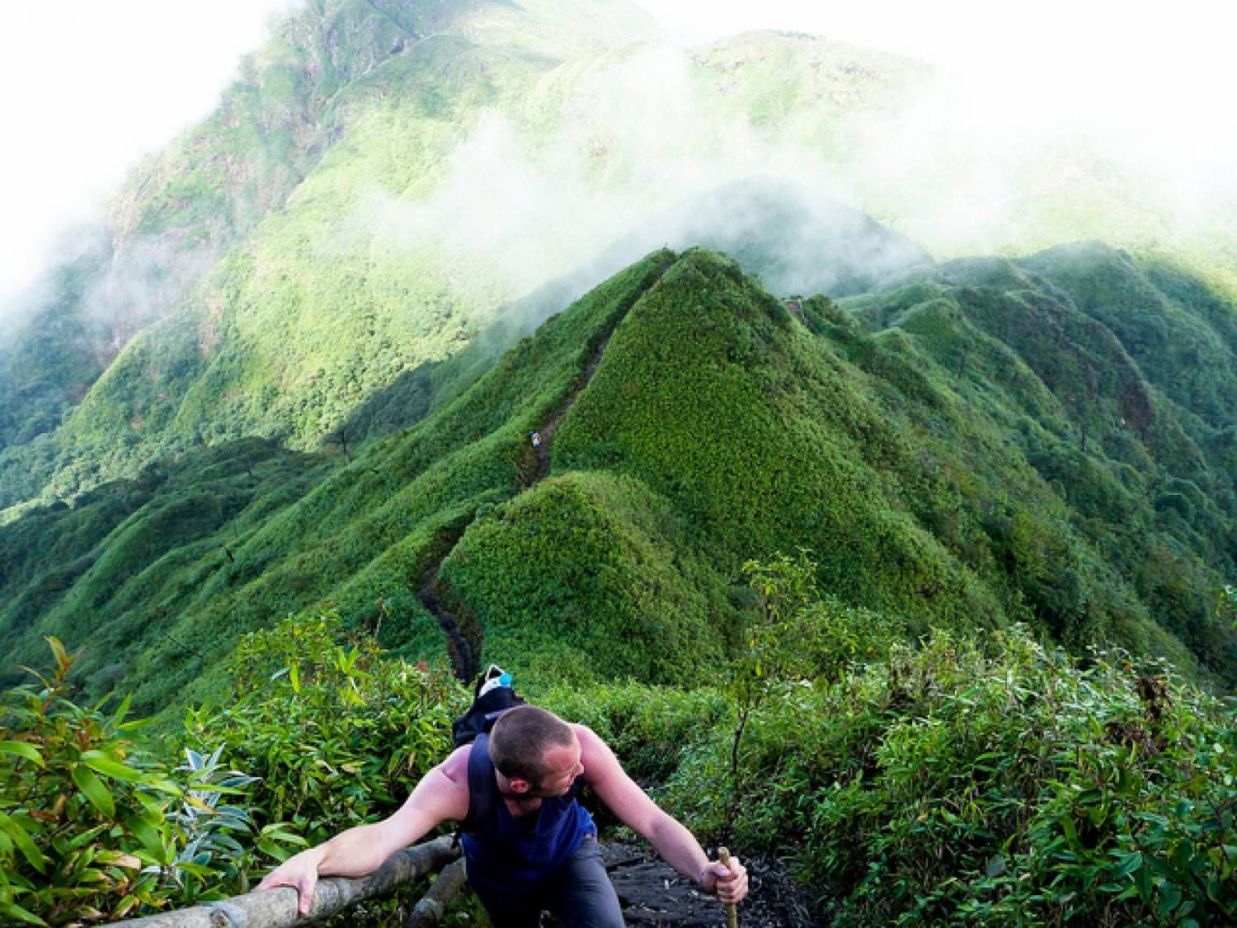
(640, 156)
(643, 150)
(146, 280)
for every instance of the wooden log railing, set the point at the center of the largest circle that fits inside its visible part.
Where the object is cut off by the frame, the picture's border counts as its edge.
(276, 908)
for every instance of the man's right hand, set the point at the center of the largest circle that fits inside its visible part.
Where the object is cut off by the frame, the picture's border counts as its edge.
(301, 873)
(440, 796)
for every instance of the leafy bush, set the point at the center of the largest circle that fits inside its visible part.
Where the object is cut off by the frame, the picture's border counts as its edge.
(991, 781)
(335, 732)
(650, 728)
(92, 826)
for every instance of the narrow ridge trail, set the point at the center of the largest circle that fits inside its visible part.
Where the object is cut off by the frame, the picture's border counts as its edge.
(465, 654)
(464, 658)
(654, 895)
(546, 432)
(651, 893)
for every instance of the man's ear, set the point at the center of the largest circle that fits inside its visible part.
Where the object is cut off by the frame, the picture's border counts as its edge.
(518, 785)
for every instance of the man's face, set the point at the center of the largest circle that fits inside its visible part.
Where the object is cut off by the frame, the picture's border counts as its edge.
(562, 765)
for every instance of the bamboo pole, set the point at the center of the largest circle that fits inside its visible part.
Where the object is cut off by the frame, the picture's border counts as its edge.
(276, 908)
(732, 911)
(429, 911)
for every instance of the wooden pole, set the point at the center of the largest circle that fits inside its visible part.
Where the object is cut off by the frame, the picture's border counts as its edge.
(276, 908)
(429, 911)
(732, 911)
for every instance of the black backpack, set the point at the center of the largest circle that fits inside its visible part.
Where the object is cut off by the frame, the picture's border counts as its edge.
(486, 706)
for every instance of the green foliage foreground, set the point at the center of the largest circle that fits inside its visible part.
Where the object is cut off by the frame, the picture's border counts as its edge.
(94, 824)
(959, 780)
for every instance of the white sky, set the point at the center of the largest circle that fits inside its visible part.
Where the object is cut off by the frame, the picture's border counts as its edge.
(88, 86)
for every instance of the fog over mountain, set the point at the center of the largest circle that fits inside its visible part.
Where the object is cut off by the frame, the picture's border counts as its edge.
(1011, 110)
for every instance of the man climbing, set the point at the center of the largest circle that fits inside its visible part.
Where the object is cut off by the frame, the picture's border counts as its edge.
(530, 846)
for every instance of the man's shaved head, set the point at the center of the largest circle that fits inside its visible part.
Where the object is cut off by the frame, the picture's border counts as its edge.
(520, 739)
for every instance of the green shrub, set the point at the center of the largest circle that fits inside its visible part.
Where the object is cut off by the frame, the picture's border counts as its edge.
(335, 732)
(991, 781)
(93, 826)
(650, 728)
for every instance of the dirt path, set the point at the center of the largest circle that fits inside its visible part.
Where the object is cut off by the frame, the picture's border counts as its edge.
(466, 655)
(654, 896)
(546, 432)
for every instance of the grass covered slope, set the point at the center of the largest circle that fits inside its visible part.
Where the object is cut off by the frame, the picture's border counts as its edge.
(383, 178)
(362, 535)
(259, 270)
(935, 466)
(718, 398)
(928, 484)
(1143, 481)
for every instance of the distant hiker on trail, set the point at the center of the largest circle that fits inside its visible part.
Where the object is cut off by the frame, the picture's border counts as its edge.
(535, 438)
(529, 845)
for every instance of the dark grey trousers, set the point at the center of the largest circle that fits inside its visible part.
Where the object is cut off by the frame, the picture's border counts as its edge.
(580, 896)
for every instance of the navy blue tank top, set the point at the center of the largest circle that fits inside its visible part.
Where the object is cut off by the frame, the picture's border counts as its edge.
(511, 855)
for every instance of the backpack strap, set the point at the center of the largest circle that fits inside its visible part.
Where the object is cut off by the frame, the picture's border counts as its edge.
(482, 788)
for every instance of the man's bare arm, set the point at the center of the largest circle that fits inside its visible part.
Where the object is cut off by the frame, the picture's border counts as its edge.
(672, 840)
(440, 796)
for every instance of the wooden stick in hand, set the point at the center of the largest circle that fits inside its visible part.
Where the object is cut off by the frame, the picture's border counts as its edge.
(732, 911)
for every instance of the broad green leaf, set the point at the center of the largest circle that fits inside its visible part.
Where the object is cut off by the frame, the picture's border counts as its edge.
(24, 842)
(100, 762)
(22, 749)
(127, 904)
(1131, 863)
(279, 832)
(12, 910)
(94, 790)
(198, 804)
(159, 785)
(1170, 898)
(81, 840)
(1067, 826)
(144, 830)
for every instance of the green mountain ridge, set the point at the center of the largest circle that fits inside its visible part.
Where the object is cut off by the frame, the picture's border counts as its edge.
(975, 441)
(471, 331)
(924, 442)
(321, 239)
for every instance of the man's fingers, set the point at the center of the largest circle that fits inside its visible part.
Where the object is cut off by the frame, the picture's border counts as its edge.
(305, 892)
(304, 884)
(731, 881)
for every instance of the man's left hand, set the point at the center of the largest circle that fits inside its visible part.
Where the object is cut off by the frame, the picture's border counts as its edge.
(729, 884)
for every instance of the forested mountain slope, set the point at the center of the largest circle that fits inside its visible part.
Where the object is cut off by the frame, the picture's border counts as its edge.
(966, 448)
(384, 180)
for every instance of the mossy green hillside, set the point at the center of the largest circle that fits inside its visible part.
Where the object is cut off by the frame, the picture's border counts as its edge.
(298, 292)
(710, 423)
(1147, 508)
(595, 576)
(713, 394)
(126, 556)
(947, 486)
(363, 533)
(298, 300)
